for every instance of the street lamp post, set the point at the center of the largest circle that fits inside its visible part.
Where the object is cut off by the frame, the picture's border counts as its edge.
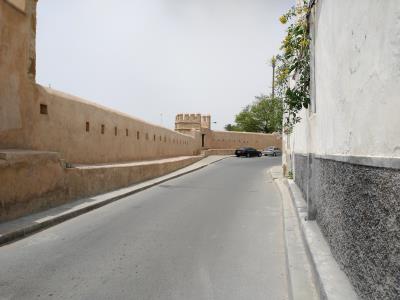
(273, 64)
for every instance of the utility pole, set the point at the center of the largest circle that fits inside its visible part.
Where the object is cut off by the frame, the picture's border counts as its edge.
(273, 64)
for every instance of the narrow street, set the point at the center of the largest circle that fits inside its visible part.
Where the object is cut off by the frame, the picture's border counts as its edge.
(213, 234)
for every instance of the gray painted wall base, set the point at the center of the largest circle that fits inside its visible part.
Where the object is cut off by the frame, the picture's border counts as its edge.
(333, 283)
(358, 211)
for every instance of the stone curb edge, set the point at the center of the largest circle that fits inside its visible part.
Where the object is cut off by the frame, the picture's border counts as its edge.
(289, 277)
(325, 289)
(21, 233)
(282, 185)
(324, 266)
(294, 293)
(317, 279)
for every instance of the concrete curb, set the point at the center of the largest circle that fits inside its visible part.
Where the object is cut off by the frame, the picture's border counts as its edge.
(300, 279)
(331, 282)
(23, 232)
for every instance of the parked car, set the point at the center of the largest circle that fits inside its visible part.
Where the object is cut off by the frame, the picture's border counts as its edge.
(273, 151)
(248, 152)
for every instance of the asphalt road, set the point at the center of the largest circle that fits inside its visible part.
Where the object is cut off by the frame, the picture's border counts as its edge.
(213, 234)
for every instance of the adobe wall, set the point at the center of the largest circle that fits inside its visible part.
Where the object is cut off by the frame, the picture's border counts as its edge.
(38, 118)
(84, 132)
(88, 133)
(53, 128)
(32, 181)
(189, 123)
(233, 140)
(17, 64)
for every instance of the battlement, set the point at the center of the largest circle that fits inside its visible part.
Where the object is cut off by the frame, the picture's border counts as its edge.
(206, 122)
(188, 122)
(188, 118)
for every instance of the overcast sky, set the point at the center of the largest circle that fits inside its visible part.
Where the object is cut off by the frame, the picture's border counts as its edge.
(153, 57)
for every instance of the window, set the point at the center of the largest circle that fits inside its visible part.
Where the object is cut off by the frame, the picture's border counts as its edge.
(87, 126)
(154, 137)
(43, 109)
(137, 135)
(103, 128)
(126, 132)
(115, 130)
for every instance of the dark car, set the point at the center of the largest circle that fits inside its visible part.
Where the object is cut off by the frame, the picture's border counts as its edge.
(248, 152)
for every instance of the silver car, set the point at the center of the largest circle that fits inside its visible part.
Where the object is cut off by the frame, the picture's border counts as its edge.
(273, 151)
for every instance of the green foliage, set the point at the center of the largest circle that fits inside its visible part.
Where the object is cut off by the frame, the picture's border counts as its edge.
(264, 115)
(231, 127)
(293, 65)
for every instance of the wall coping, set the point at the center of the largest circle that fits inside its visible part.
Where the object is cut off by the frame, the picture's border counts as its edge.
(245, 132)
(77, 99)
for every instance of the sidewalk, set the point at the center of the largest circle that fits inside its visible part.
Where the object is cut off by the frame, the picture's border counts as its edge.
(16, 229)
(301, 280)
(330, 280)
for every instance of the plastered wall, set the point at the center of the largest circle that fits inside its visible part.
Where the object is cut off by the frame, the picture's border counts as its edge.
(345, 152)
(357, 75)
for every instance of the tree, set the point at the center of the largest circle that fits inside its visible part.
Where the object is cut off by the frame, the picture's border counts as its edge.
(231, 127)
(293, 64)
(264, 115)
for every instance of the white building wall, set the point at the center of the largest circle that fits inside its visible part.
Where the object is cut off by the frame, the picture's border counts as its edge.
(351, 178)
(357, 77)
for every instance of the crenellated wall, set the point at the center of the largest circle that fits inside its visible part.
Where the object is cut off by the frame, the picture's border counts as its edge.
(87, 133)
(33, 117)
(185, 123)
(189, 123)
(37, 118)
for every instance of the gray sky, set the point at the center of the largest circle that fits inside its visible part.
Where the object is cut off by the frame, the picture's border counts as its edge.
(147, 57)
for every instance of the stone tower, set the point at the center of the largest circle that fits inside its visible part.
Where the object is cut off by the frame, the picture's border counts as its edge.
(186, 123)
